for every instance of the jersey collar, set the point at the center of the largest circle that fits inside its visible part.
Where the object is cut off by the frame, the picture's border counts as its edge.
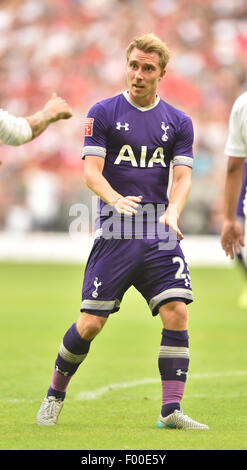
(141, 108)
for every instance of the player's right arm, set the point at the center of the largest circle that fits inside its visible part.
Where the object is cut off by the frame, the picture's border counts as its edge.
(55, 109)
(94, 154)
(232, 236)
(95, 180)
(20, 130)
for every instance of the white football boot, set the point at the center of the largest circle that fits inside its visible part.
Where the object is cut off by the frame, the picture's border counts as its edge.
(178, 420)
(49, 411)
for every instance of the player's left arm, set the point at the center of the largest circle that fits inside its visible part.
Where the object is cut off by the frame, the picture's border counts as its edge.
(232, 232)
(179, 192)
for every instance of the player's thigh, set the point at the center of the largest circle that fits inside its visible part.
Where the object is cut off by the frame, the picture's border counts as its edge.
(164, 277)
(108, 274)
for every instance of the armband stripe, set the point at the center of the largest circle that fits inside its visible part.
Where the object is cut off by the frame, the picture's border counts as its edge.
(182, 160)
(93, 150)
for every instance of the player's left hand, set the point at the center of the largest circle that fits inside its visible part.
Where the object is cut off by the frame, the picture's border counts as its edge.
(232, 237)
(170, 218)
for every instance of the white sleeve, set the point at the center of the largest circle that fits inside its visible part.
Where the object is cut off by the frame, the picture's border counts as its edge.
(14, 130)
(236, 143)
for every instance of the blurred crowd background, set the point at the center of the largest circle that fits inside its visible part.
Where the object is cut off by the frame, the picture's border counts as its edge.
(77, 49)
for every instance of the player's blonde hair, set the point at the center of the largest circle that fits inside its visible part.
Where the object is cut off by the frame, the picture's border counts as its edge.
(150, 43)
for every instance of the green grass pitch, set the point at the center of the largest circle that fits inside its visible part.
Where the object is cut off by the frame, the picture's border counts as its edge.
(38, 304)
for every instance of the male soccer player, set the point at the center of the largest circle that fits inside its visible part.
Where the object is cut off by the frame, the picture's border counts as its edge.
(19, 130)
(130, 141)
(232, 235)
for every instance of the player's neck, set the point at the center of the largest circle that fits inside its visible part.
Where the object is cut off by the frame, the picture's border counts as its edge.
(143, 101)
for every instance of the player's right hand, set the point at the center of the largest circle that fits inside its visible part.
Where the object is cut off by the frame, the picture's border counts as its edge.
(128, 205)
(58, 108)
(232, 238)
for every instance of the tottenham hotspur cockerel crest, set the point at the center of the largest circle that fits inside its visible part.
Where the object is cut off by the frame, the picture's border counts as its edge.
(97, 285)
(165, 129)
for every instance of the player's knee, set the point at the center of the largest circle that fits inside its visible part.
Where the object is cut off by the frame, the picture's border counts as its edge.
(89, 326)
(174, 315)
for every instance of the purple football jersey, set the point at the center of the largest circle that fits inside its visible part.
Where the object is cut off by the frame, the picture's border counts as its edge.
(138, 144)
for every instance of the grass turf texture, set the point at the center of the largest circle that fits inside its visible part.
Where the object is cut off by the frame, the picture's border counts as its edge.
(39, 302)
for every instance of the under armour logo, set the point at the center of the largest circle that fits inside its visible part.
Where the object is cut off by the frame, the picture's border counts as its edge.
(164, 128)
(96, 284)
(180, 372)
(61, 371)
(125, 126)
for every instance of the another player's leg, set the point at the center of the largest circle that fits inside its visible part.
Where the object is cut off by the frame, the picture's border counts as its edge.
(73, 351)
(173, 366)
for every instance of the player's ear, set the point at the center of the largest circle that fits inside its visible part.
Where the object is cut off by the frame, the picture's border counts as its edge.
(162, 74)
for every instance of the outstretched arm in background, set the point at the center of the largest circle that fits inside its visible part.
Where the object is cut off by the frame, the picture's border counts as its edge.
(19, 130)
(55, 109)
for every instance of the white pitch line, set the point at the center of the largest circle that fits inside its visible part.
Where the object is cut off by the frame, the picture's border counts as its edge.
(94, 394)
(218, 374)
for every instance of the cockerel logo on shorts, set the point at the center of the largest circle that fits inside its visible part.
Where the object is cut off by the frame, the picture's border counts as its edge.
(96, 284)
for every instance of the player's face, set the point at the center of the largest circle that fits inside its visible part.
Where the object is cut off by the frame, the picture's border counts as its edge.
(143, 76)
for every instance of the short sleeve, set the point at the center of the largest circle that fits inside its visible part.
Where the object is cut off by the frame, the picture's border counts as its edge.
(235, 144)
(14, 130)
(95, 131)
(183, 148)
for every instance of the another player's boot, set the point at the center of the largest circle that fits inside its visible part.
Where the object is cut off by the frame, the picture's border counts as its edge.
(178, 420)
(49, 411)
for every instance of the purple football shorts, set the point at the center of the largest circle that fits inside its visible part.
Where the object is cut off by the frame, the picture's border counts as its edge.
(114, 265)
